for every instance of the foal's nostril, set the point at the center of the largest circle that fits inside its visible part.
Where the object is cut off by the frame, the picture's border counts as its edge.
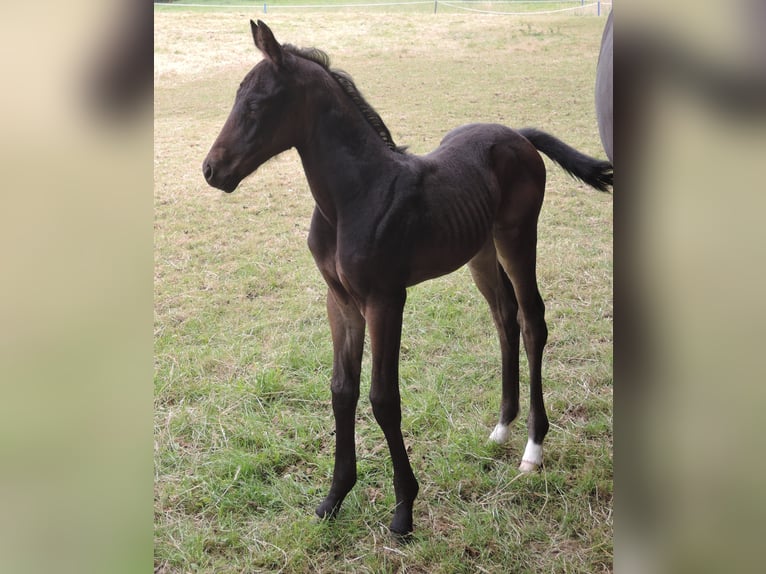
(207, 170)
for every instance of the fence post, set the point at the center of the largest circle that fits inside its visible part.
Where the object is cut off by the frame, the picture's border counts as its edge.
(436, 5)
(598, 10)
(265, 10)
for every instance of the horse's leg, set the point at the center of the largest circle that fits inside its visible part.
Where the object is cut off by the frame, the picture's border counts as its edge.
(494, 285)
(516, 246)
(347, 327)
(384, 317)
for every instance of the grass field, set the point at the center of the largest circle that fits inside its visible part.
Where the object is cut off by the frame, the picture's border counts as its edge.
(243, 422)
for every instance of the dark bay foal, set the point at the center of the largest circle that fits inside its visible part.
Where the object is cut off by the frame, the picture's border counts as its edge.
(385, 220)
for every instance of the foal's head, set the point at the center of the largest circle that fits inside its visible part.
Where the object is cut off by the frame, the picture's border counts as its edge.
(278, 102)
(264, 120)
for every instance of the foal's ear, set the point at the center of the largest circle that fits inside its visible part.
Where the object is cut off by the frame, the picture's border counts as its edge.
(266, 42)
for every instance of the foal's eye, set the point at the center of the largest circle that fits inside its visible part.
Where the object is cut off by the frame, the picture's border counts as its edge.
(253, 108)
(255, 104)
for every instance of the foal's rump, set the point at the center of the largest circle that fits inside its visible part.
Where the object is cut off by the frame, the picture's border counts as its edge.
(475, 137)
(500, 154)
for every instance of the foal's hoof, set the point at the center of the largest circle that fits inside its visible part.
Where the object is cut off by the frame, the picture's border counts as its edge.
(401, 523)
(528, 466)
(401, 527)
(500, 434)
(533, 457)
(328, 509)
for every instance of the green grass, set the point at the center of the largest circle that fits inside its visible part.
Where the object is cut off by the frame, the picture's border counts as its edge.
(243, 423)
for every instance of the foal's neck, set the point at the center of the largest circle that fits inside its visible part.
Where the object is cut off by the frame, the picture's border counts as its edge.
(343, 156)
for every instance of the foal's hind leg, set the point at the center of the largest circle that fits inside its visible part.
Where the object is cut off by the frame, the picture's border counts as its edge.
(494, 285)
(516, 245)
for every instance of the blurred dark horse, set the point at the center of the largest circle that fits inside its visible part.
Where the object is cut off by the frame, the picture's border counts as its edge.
(604, 90)
(385, 220)
(120, 74)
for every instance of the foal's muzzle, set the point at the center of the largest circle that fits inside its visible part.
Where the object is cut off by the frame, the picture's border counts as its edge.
(216, 177)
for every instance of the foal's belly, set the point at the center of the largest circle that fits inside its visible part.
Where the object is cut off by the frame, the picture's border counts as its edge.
(436, 257)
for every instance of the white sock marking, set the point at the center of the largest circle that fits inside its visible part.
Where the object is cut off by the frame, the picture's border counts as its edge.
(500, 434)
(533, 457)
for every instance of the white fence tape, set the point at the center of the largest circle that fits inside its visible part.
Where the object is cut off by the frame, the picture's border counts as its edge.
(262, 4)
(467, 9)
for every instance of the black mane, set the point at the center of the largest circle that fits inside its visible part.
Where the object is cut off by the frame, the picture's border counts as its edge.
(345, 81)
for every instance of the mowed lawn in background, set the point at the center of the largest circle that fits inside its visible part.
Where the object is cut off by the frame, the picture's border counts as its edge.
(243, 421)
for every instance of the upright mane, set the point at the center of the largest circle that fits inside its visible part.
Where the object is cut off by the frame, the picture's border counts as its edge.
(347, 84)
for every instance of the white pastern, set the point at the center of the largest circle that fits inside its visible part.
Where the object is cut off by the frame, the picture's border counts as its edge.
(533, 457)
(501, 433)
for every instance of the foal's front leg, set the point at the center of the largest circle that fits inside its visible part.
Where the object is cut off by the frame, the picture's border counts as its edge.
(347, 326)
(384, 316)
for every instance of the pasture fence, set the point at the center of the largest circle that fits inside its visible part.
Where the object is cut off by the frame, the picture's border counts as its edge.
(516, 7)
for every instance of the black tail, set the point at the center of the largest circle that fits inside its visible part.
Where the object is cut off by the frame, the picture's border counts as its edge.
(594, 172)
